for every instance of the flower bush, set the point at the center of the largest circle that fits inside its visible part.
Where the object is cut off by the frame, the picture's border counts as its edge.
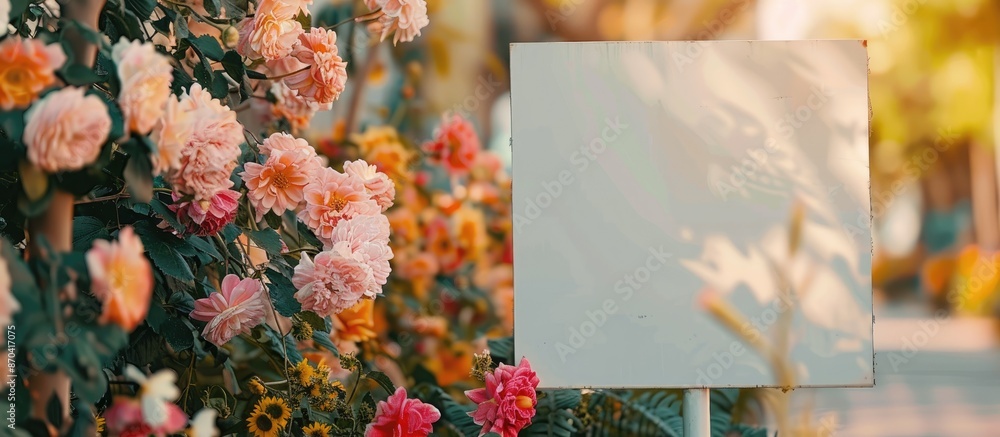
(177, 259)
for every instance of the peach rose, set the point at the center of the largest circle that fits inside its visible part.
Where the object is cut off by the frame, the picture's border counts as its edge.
(66, 130)
(284, 8)
(326, 76)
(404, 17)
(27, 66)
(121, 278)
(272, 36)
(145, 77)
(381, 188)
(210, 153)
(170, 135)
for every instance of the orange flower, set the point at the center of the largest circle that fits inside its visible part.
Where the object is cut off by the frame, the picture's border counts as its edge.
(356, 323)
(27, 66)
(452, 365)
(380, 146)
(122, 278)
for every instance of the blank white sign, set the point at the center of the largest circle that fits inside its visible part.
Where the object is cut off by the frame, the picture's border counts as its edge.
(647, 172)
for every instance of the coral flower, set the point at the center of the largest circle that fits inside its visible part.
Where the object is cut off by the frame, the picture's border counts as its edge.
(337, 280)
(66, 130)
(381, 188)
(153, 412)
(202, 221)
(399, 416)
(455, 145)
(27, 66)
(235, 309)
(122, 278)
(332, 196)
(507, 403)
(277, 184)
(145, 77)
(326, 75)
(283, 142)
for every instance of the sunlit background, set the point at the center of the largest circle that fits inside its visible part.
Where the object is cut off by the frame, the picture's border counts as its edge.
(934, 172)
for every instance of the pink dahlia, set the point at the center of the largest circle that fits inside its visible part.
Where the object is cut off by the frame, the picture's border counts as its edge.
(283, 142)
(399, 416)
(332, 196)
(235, 309)
(207, 217)
(335, 281)
(277, 184)
(455, 145)
(507, 403)
(326, 75)
(381, 188)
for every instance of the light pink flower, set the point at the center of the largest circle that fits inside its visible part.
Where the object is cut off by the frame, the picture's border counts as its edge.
(367, 236)
(333, 196)
(170, 135)
(404, 17)
(204, 221)
(455, 145)
(284, 8)
(209, 156)
(326, 76)
(125, 419)
(145, 77)
(507, 403)
(235, 309)
(272, 36)
(65, 130)
(337, 280)
(297, 110)
(244, 27)
(121, 278)
(399, 416)
(381, 188)
(281, 141)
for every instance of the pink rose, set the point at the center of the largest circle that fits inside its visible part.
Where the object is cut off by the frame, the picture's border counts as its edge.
(455, 145)
(507, 403)
(205, 221)
(399, 416)
(367, 236)
(210, 153)
(337, 280)
(326, 76)
(235, 309)
(381, 188)
(170, 134)
(66, 130)
(404, 17)
(145, 77)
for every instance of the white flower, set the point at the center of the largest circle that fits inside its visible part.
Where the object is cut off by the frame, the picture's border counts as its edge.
(5, 15)
(155, 392)
(203, 424)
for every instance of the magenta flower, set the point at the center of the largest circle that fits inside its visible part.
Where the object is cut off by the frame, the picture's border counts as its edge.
(507, 403)
(399, 416)
(210, 218)
(234, 310)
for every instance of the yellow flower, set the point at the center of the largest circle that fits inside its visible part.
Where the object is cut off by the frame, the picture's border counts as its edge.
(317, 429)
(257, 386)
(276, 409)
(261, 425)
(304, 372)
(99, 422)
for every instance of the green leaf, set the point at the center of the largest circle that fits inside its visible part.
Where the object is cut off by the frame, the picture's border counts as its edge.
(314, 320)
(220, 86)
(33, 208)
(232, 62)
(17, 7)
(177, 334)
(162, 251)
(253, 74)
(282, 293)
(208, 46)
(382, 380)
(203, 74)
(164, 212)
(181, 30)
(141, 8)
(79, 75)
(34, 181)
(86, 230)
(12, 124)
(266, 239)
(212, 7)
(502, 350)
(139, 177)
(323, 339)
(236, 9)
(206, 247)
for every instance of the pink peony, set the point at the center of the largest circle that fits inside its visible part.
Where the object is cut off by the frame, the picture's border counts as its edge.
(455, 145)
(204, 221)
(170, 135)
(125, 419)
(367, 236)
(326, 75)
(121, 278)
(66, 130)
(507, 403)
(236, 309)
(333, 196)
(145, 77)
(337, 280)
(381, 188)
(399, 416)
(404, 17)
(209, 156)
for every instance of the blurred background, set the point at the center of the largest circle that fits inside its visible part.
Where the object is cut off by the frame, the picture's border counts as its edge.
(934, 183)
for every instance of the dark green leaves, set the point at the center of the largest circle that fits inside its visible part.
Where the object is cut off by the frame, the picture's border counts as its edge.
(79, 75)
(282, 293)
(139, 174)
(382, 380)
(86, 230)
(208, 46)
(266, 239)
(163, 250)
(141, 8)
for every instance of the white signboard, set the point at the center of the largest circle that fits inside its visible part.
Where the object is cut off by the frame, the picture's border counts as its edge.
(646, 173)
